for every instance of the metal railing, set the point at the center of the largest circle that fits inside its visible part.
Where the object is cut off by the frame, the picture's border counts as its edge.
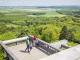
(46, 46)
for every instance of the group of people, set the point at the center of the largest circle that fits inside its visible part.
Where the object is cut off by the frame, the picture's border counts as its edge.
(30, 42)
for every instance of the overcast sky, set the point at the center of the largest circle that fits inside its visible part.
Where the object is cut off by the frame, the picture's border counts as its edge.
(38, 2)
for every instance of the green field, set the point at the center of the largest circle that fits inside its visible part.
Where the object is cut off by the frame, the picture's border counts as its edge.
(32, 12)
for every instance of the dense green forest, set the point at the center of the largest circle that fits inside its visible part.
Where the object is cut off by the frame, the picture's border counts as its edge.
(46, 25)
(12, 25)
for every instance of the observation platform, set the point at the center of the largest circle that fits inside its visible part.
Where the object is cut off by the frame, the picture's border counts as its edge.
(19, 52)
(15, 49)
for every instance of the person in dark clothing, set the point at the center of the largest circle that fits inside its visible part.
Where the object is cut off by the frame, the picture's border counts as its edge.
(29, 45)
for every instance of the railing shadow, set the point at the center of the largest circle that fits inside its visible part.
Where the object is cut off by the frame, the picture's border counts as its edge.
(45, 48)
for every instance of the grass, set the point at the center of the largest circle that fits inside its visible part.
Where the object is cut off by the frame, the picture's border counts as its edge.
(48, 13)
(1, 53)
(53, 14)
(72, 44)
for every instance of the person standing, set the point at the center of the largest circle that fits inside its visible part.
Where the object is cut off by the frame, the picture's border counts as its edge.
(28, 45)
(34, 40)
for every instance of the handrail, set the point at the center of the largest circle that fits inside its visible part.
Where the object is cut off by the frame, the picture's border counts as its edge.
(15, 40)
(9, 52)
(49, 45)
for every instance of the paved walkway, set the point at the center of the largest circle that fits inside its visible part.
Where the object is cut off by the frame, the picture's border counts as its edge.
(18, 51)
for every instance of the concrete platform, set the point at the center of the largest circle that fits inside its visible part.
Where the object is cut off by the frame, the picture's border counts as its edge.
(19, 52)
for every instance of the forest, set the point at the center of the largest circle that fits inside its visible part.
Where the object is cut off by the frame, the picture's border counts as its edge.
(48, 25)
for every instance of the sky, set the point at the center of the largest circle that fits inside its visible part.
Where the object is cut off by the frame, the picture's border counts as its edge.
(39, 2)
